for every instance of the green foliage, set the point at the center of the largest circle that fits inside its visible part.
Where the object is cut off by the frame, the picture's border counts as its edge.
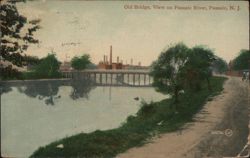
(31, 60)
(197, 67)
(219, 65)
(80, 63)
(9, 73)
(242, 61)
(180, 67)
(151, 119)
(14, 39)
(167, 69)
(47, 68)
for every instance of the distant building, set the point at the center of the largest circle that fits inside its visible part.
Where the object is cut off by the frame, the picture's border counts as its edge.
(65, 66)
(105, 64)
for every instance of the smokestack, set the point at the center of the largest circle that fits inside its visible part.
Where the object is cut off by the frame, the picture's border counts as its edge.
(139, 64)
(117, 59)
(104, 59)
(111, 55)
(107, 59)
(122, 61)
(131, 61)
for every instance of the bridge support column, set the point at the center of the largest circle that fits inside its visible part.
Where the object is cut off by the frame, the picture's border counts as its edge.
(106, 78)
(139, 78)
(111, 77)
(144, 79)
(95, 77)
(100, 78)
(128, 78)
(123, 79)
(133, 79)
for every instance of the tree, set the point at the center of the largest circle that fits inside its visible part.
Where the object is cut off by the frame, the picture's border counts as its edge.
(198, 67)
(80, 63)
(48, 67)
(181, 68)
(241, 62)
(17, 32)
(219, 65)
(167, 70)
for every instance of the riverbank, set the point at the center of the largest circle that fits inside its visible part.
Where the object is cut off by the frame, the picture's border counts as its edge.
(220, 129)
(152, 119)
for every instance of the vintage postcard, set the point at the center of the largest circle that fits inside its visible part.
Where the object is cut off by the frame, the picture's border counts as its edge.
(124, 79)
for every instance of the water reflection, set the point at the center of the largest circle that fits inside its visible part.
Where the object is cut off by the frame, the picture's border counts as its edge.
(81, 89)
(47, 91)
(4, 89)
(42, 90)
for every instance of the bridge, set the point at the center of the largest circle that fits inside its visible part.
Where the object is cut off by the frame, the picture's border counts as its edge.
(133, 78)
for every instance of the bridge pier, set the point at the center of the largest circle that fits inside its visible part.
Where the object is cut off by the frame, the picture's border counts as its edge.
(139, 78)
(111, 78)
(144, 79)
(133, 79)
(106, 77)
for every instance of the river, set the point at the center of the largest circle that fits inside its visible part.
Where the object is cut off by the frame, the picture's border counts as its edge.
(38, 113)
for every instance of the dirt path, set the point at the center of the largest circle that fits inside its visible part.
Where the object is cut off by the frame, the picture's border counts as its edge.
(206, 136)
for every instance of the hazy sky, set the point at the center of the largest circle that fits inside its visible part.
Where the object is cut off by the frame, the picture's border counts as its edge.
(140, 34)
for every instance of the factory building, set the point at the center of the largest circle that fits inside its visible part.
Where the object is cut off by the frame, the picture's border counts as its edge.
(105, 64)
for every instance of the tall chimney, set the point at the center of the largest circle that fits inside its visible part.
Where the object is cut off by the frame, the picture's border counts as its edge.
(131, 61)
(107, 59)
(117, 59)
(111, 55)
(104, 59)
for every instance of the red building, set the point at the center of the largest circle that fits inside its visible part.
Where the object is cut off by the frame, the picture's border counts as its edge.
(105, 64)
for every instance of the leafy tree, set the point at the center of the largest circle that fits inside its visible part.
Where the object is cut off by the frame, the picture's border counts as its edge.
(198, 67)
(80, 63)
(219, 65)
(48, 67)
(181, 68)
(167, 70)
(16, 32)
(242, 60)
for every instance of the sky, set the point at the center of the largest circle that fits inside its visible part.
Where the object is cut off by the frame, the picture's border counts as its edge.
(141, 34)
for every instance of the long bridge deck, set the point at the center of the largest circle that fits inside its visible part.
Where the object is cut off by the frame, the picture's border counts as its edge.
(131, 71)
(138, 78)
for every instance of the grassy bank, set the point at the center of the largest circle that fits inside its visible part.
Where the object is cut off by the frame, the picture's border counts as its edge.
(152, 119)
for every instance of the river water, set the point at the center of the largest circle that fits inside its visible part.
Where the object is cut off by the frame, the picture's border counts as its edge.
(36, 114)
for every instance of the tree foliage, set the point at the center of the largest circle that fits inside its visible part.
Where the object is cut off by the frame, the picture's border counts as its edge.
(167, 70)
(198, 67)
(48, 67)
(80, 63)
(16, 33)
(242, 61)
(181, 68)
(219, 65)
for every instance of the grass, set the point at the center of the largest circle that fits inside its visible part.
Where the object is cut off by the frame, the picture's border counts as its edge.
(152, 119)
